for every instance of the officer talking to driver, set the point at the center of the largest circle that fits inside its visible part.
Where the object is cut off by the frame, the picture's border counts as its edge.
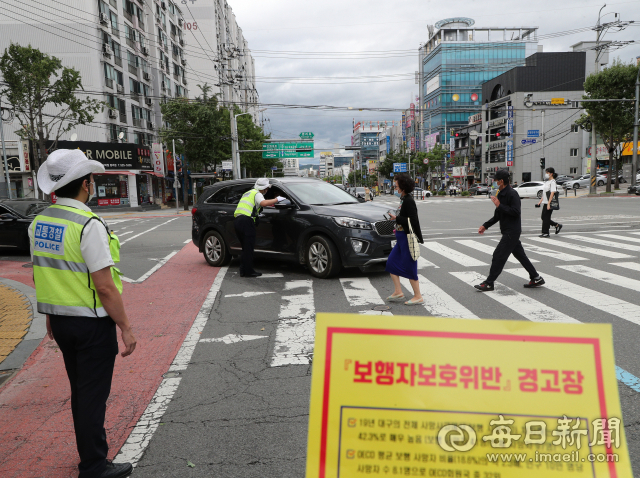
(246, 216)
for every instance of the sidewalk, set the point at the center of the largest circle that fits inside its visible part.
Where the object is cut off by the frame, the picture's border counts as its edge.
(36, 430)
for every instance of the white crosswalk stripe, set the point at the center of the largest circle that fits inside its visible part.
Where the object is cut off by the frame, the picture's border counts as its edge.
(608, 277)
(455, 256)
(603, 242)
(618, 236)
(584, 249)
(524, 305)
(437, 302)
(296, 329)
(486, 249)
(360, 291)
(634, 266)
(561, 256)
(606, 303)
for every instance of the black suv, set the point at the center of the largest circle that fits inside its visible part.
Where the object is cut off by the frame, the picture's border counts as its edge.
(317, 225)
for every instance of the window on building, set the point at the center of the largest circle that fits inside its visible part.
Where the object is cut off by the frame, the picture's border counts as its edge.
(173, 29)
(134, 87)
(113, 132)
(129, 7)
(103, 8)
(573, 152)
(172, 8)
(176, 70)
(114, 23)
(116, 49)
(119, 78)
(573, 170)
(575, 128)
(109, 72)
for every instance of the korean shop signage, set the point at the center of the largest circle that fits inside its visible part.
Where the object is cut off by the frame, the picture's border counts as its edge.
(498, 102)
(113, 156)
(497, 145)
(497, 122)
(424, 396)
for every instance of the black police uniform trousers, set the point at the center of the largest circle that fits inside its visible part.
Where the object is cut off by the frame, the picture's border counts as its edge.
(546, 219)
(89, 346)
(246, 231)
(509, 244)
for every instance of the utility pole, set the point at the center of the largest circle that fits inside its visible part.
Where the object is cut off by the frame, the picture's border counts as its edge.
(541, 167)
(634, 162)
(235, 167)
(175, 177)
(4, 153)
(594, 146)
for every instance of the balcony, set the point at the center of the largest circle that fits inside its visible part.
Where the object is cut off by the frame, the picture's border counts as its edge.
(128, 16)
(135, 97)
(118, 60)
(132, 69)
(109, 82)
(137, 122)
(131, 43)
(115, 32)
(123, 117)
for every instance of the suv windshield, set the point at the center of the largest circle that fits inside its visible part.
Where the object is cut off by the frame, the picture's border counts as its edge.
(320, 193)
(27, 208)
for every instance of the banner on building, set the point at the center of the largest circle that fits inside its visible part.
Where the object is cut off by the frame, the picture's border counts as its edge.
(158, 158)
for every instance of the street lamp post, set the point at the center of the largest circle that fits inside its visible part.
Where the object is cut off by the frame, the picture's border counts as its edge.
(634, 162)
(235, 153)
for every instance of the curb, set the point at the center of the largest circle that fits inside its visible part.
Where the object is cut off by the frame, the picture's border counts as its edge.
(35, 333)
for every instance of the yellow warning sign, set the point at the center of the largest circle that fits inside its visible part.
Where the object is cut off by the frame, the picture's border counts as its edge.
(422, 396)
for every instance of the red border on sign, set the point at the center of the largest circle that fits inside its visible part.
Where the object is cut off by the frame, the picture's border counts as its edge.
(450, 335)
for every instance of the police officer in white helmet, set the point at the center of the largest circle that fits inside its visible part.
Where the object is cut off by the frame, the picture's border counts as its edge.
(246, 215)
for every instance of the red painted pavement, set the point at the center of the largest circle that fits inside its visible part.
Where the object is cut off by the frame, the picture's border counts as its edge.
(36, 430)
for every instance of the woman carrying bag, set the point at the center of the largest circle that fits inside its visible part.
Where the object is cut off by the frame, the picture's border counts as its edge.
(549, 201)
(403, 260)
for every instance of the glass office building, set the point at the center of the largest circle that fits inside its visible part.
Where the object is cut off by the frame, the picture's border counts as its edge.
(457, 60)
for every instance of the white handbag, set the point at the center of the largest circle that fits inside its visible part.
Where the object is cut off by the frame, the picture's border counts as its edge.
(414, 245)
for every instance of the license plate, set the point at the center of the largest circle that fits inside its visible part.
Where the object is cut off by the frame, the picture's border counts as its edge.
(393, 244)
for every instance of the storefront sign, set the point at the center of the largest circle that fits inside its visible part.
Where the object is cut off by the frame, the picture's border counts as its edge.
(497, 145)
(477, 118)
(552, 102)
(496, 122)
(114, 156)
(25, 158)
(498, 102)
(509, 152)
(109, 202)
(627, 149)
(434, 397)
(158, 158)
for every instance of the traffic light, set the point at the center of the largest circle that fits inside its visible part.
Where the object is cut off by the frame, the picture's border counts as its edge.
(451, 131)
(542, 163)
(457, 134)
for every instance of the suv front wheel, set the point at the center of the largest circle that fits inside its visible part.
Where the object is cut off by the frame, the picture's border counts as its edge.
(215, 250)
(322, 257)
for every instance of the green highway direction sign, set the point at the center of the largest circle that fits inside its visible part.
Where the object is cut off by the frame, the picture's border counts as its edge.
(287, 150)
(307, 135)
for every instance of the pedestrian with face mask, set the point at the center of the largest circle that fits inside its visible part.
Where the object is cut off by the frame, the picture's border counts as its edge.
(548, 193)
(79, 289)
(508, 213)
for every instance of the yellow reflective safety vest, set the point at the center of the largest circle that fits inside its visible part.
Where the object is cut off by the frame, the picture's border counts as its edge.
(63, 283)
(247, 205)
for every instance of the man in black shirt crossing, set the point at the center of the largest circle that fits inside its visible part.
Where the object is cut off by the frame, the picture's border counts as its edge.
(507, 212)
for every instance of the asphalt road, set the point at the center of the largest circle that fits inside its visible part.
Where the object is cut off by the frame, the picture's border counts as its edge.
(241, 407)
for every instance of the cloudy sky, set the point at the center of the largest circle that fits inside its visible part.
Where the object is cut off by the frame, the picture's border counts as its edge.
(364, 54)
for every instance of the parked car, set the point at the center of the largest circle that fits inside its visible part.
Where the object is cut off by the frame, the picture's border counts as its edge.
(633, 189)
(420, 193)
(530, 189)
(560, 180)
(584, 182)
(362, 193)
(317, 225)
(15, 218)
(479, 188)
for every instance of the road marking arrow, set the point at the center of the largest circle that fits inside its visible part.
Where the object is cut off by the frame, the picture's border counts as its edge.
(233, 338)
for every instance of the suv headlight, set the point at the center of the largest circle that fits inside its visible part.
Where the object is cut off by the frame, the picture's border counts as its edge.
(352, 223)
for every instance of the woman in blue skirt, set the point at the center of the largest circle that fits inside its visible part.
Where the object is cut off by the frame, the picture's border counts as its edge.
(400, 263)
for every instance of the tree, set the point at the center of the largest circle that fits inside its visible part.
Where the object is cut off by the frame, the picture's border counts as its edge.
(42, 94)
(612, 120)
(197, 127)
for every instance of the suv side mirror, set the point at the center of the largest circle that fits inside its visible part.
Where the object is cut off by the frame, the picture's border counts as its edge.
(286, 204)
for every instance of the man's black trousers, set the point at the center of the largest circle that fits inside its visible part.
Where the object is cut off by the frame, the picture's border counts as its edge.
(509, 244)
(246, 232)
(89, 346)
(546, 219)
